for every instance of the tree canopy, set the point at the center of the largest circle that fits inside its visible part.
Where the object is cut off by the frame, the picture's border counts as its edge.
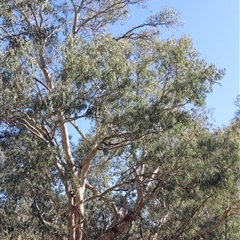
(146, 164)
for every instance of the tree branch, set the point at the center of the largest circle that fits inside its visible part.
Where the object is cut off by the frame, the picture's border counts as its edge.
(39, 215)
(101, 195)
(65, 140)
(223, 218)
(181, 229)
(81, 133)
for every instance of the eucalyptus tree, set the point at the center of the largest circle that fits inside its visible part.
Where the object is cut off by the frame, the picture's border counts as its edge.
(139, 95)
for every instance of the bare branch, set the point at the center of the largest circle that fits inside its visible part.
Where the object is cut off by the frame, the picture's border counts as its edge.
(152, 177)
(40, 216)
(139, 189)
(43, 67)
(65, 140)
(37, 80)
(182, 228)
(101, 195)
(226, 214)
(76, 15)
(26, 125)
(84, 167)
(130, 33)
(81, 133)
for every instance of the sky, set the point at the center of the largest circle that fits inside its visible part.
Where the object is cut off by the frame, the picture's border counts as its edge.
(213, 26)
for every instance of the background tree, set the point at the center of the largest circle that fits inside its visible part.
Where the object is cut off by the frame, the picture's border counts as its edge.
(147, 167)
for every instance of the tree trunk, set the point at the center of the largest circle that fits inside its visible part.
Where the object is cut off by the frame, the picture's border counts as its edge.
(75, 215)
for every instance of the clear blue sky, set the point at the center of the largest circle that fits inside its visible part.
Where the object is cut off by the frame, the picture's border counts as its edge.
(214, 27)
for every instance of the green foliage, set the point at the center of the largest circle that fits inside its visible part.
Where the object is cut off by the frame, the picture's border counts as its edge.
(147, 166)
(29, 186)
